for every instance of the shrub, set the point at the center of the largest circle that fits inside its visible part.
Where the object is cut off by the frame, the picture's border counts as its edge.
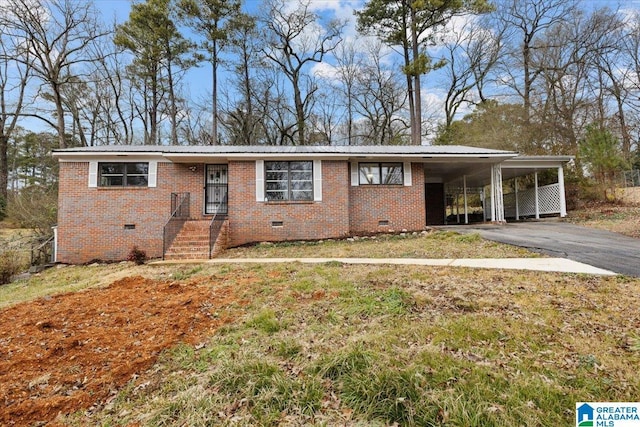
(10, 264)
(137, 255)
(34, 207)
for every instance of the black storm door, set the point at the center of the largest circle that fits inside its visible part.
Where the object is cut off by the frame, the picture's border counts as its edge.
(216, 186)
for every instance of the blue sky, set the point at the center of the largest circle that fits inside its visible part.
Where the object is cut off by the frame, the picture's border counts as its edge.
(199, 80)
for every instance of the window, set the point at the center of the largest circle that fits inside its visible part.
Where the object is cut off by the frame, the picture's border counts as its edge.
(123, 174)
(380, 173)
(288, 181)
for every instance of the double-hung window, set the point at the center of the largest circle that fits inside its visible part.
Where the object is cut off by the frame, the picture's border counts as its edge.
(292, 181)
(380, 173)
(123, 174)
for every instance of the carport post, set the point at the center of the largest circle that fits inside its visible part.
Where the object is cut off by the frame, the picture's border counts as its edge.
(517, 201)
(466, 207)
(497, 200)
(535, 175)
(563, 200)
(493, 196)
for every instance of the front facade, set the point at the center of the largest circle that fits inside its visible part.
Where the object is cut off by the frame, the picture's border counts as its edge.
(113, 198)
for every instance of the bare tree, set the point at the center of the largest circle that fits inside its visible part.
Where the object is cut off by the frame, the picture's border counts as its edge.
(381, 101)
(162, 55)
(613, 76)
(568, 101)
(58, 36)
(471, 55)
(279, 117)
(527, 21)
(15, 73)
(630, 52)
(212, 19)
(348, 67)
(296, 38)
(242, 119)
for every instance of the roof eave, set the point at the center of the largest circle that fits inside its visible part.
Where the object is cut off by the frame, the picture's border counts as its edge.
(205, 157)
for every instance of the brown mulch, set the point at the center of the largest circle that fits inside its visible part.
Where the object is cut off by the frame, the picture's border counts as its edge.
(65, 353)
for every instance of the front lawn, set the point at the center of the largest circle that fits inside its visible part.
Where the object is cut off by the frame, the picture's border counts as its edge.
(431, 244)
(326, 344)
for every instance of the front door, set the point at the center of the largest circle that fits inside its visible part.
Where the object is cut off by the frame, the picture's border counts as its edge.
(434, 197)
(216, 186)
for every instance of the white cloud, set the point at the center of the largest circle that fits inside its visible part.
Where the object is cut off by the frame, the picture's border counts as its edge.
(325, 71)
(340, 10)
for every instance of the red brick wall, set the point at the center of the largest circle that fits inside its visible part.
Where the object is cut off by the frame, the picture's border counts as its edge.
(250, 221)
(403, 207)
(91, 220)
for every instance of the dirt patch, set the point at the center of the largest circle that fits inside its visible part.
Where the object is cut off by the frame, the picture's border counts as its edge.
(68, 352)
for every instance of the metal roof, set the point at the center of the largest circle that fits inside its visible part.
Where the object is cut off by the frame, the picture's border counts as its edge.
(349, 150)
(447, 163)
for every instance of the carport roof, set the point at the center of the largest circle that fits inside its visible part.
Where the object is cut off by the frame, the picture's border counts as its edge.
(480, 174)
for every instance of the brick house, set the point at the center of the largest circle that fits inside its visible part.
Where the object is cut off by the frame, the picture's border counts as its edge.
(191, 201)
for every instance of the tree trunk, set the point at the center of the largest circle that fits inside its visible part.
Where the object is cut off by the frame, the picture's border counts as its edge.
(153, 112)
(62, 142)
(4, 166)
(214, 90)
(249, 123)
(299, 109)
(410, 89)
(417, 135)
(173, 107)
(526, 57)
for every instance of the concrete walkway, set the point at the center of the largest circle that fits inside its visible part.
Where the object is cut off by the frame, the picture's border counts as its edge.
(561, 265)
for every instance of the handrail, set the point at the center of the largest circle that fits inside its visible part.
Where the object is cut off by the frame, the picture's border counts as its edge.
(37, 252)
(216, 225)
(180, 213)
(176, 208)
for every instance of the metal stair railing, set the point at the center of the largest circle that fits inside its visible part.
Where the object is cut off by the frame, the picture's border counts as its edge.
(216, 224)
(180, 213)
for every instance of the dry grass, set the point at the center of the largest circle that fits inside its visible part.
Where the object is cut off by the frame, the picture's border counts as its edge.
(64, 279)
(619, 219)
(337, 344)
(433, 244)
(361, 345)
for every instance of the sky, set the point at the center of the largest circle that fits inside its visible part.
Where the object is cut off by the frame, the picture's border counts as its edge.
(198, 80)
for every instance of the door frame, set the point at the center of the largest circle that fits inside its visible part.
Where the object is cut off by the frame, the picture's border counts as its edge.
(210, 185)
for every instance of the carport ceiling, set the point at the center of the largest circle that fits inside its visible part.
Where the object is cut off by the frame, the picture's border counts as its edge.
(478, 170)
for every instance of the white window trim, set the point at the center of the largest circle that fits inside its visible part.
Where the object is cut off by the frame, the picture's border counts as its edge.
(355, 174)
(407, 174)
(152, 175)
(406, 170)
(317, 181)
(93, 174)
(259, 180)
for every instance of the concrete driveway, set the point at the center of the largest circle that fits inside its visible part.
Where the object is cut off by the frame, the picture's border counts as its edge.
(603, 249)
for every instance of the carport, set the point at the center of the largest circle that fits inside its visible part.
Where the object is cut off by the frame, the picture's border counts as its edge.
(488, 177)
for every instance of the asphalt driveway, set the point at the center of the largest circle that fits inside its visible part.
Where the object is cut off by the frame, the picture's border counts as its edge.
(603, 249)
